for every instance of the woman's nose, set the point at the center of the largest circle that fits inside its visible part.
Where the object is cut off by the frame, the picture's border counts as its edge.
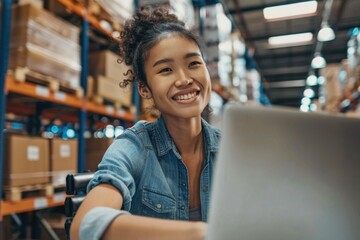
(183, 82)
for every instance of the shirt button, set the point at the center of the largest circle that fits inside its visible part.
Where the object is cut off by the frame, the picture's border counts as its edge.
(182, 207)
(158, 205)
(205, 189)
(183, 184)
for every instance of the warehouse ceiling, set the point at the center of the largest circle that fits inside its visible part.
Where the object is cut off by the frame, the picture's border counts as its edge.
(285, 69)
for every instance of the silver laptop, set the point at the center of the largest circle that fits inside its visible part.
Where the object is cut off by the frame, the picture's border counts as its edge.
(286, 175)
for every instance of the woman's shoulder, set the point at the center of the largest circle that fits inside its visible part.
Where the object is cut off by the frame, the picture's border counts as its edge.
(139, 132)
(141, 126)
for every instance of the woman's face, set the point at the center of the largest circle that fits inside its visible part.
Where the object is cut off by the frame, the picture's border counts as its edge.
(177, 76)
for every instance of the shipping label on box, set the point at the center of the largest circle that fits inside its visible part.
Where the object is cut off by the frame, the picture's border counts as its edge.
(27, 161)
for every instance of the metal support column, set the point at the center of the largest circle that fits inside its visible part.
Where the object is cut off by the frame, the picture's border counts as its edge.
(4, 50)
(82, 112)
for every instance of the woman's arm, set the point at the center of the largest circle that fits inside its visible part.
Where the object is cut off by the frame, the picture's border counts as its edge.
(130, 226)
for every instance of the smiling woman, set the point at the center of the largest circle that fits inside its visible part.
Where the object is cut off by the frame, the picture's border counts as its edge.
(156, 173)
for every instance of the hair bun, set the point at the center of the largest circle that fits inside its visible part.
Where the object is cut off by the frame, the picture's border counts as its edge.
(134, 29)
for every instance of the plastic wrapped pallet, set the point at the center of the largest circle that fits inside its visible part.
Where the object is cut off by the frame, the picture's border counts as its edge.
(24, 13)
(45, 44)
(46, 63)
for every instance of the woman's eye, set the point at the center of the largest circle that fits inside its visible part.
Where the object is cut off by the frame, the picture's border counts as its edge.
(194, 63)
(164, 70)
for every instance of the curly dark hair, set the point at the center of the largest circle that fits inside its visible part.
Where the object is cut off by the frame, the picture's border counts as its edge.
(141, 33)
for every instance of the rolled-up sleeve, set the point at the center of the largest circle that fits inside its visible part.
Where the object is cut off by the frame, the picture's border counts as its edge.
(122, 163)
(96, 221)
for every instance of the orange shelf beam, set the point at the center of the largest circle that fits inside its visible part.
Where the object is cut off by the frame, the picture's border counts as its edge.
(31, 204)
(109, 111)
(80, 10)
(41, 92)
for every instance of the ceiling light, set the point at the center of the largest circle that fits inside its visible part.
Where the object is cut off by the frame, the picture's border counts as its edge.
(290, 10)
(309, 93)
(318, 61)
(326, 33)
(291, 39)
(311, 80)
(313, 107)
(304, 108)
(305, 101)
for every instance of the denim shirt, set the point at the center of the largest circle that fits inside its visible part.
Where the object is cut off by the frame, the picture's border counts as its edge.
(146, 167)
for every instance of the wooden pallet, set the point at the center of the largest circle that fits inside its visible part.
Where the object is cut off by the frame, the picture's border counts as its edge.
(104, 101)
(16, 194)
(25, 75)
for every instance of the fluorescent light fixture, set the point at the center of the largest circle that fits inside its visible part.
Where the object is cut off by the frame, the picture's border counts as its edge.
(311, 80)
(318, 62)
(291, 39)
(290, 10)
(326, 33)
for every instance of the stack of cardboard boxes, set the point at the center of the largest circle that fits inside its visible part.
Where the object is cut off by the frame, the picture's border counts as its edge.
(35, 160)
(106, 74)
(44, 43)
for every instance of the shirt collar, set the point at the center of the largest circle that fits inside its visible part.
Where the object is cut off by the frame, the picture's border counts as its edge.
(164, 142)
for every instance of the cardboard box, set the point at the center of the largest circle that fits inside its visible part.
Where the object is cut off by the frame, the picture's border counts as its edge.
(23, 13)
(109, 89)
(46, 41)
(63, 160)
(44, 63)
(26, 161)
(95, 149)
(106, 63)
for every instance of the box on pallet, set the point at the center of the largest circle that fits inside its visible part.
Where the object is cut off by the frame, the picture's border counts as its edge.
(95, 149)
(109, 89)
(45, 44)
(106, 63)
(46, 41)
(42, 63)
(63, 160)
(22, 14)
(26, 161)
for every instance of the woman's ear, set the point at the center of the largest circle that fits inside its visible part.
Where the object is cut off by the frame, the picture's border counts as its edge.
(144, 91)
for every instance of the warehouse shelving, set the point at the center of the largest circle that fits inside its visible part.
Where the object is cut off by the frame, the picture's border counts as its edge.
(41, 92)
(44, 93)
(10, 85)
(30, 204)
(80, 10)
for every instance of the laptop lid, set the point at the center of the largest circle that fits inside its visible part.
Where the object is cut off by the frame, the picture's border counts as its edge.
(283, 174)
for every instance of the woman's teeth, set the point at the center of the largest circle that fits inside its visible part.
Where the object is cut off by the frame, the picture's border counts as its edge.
(185, 96)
